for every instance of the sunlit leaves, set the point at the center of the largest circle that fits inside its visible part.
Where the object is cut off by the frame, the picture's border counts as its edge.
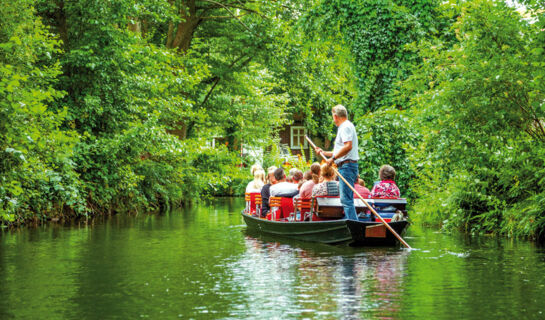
(32, 147)
(480, 96)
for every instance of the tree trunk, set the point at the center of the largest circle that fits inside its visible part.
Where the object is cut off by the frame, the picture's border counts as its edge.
(185, 29)
(181, 131)
(60, 23)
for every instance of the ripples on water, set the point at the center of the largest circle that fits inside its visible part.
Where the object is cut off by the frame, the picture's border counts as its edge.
(202, 263)
(309, 280)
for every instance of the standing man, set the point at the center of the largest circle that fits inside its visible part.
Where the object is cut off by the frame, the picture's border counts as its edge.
(345, 155)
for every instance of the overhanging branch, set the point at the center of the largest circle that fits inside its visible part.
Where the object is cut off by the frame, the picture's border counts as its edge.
(230, 12)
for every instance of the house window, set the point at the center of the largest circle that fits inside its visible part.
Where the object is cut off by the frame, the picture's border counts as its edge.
(298, 140)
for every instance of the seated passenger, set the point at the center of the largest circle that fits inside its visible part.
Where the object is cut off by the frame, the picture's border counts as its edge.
(329, 186)
(255, 167)
(361, 189)
(265, 191)
(291, 173)
(283, 188)
(297, 176)
(306, 189)
(311, 178)
(306, 177)
(387, 187)
(257, 183)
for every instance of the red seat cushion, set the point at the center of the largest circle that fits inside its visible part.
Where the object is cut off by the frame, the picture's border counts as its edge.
(252, 201)
(286, 207)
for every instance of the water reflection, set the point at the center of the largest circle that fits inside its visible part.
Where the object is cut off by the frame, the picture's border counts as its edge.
(201, 263)
(311, 280)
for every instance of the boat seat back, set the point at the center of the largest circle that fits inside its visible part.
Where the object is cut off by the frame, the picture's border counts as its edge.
(281, 207)
(303, 205)
(287, 207)
(388, 205)
(387, 208)
(253, 202)
(328, 207)
(258, 205)
(331, 207)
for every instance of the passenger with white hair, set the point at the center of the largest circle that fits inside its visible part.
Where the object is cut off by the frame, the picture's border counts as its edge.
(291, 174)
(296, 176)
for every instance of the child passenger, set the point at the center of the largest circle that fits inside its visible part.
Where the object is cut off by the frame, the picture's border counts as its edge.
(387, 187)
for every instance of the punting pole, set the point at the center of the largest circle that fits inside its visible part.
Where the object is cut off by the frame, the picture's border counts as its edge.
(362, 199)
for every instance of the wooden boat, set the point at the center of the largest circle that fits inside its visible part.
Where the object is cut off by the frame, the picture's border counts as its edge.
(334, 231)
(368, 233)
(321, 219)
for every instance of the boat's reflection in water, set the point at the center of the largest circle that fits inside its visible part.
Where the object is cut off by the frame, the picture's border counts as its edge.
(287, 278)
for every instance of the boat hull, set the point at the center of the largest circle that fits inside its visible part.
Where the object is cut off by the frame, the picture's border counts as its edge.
(331, 231)
(363, 232)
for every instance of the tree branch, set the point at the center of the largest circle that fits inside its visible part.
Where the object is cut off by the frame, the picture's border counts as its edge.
(217, 79)
(223, 17)
(230, 12)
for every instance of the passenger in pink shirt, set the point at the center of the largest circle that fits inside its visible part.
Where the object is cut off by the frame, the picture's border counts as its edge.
(306, 189)
(361, 189)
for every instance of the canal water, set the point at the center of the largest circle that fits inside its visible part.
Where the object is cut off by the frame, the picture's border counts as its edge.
(201, 263)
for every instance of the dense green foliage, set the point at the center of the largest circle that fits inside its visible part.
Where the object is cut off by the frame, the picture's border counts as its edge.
(376, 33)
(36, 166)
(316, 74)
(140, 104)
(385, 138)
(479, 100)
(103, 112)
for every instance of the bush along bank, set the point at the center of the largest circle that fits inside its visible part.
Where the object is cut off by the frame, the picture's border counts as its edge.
(99, 118)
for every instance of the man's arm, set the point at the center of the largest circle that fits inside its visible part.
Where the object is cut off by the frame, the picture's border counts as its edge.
(326, 153)
(344, 150)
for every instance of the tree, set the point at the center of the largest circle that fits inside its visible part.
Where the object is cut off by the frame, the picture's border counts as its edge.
(480, 104)
(38, 176)
(377, 33)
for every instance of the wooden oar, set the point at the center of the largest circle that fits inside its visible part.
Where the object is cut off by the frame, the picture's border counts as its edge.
(362, 199)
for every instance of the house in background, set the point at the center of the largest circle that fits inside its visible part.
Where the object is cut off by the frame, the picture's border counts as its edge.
(292, 143)
(292, 137)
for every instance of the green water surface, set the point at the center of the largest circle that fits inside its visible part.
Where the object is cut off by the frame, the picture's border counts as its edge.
(201, 263)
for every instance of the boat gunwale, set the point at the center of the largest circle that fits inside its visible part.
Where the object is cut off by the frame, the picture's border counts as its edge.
(308, 222)
(294, 222)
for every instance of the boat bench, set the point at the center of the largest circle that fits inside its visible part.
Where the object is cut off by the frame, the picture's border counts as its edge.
(326, 207)
(282, 208)
(253, 203)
